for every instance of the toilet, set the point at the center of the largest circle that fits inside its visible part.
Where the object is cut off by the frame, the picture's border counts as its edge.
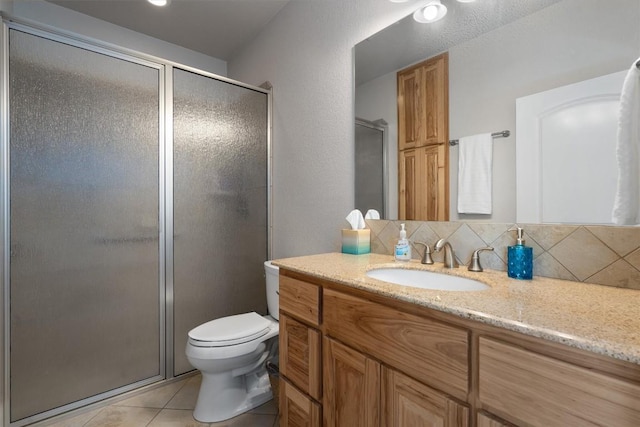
(231, 352)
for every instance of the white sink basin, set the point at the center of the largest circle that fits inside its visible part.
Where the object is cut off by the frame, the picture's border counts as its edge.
(426, 279)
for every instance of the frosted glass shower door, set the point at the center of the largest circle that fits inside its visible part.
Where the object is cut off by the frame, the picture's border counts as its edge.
(220, 203)
(85, 314)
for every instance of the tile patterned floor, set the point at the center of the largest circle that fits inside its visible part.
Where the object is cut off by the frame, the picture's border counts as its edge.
(167, 406)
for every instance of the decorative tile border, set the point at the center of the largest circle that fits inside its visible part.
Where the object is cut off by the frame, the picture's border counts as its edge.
(592, 254)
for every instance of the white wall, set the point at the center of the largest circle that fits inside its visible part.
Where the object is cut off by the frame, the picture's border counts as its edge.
(73, 22)
(306, 52)
(372, 103)
(565, 43)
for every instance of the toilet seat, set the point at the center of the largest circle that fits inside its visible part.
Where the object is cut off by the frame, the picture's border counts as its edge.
(230, 330)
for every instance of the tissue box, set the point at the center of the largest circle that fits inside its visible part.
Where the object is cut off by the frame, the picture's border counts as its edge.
(356, 242)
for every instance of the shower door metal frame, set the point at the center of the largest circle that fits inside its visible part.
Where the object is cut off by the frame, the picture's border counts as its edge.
(165, 197)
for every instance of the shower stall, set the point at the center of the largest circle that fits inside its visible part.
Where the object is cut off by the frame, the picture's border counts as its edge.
(135, 206)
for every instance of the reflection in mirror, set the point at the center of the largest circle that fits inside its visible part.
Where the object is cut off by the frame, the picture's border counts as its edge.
(371, 166)
(498, 52)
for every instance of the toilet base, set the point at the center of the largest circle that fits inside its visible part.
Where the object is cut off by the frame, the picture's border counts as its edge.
(223, 396)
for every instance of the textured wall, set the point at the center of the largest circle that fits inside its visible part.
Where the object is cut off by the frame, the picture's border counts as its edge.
(306, 52)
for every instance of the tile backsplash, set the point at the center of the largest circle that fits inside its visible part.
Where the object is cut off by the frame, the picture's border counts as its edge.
(603, 255)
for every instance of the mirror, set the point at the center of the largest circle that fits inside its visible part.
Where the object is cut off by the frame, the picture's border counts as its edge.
(499, 51)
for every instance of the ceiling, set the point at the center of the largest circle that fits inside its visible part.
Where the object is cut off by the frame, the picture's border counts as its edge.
(217, 28)
(407, 41)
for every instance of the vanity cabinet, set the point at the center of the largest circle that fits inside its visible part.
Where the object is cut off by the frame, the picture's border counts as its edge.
(380, 365)
(423, 135)
(350, 357)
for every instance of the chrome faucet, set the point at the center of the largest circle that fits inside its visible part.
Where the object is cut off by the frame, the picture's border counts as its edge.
(449, 253)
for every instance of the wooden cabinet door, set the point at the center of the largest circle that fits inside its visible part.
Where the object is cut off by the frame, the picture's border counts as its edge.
(410, 109)
(296, 409)
(423, 103)
(435, 87)
(424, 184)
(351, 387)
(423, 127)
(408, 403)
(433, 183)
(300, 355)
(408, 176)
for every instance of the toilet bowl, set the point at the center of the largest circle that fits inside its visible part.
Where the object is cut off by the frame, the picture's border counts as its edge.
(231, 352)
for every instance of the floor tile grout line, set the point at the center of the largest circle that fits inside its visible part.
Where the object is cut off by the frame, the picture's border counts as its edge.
(186, 381)
(97, 413)
(154, 417)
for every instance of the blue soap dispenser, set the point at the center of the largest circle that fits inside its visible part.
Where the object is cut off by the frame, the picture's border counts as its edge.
(520, 259)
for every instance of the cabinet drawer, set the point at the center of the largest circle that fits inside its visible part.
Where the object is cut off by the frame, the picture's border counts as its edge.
(300, 299)
(296, 409)
(430, 351)
(536, 390)
(300, 355)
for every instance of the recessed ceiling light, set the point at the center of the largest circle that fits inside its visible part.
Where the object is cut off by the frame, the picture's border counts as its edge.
(431, 12)
(159, 2)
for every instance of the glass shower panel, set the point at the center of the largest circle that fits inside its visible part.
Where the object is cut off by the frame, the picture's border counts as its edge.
(220, 203)
(84, 185)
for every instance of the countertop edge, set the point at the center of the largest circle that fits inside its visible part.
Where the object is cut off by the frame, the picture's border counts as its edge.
(606, 348)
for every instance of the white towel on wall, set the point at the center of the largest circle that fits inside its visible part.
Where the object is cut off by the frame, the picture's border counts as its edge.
(626, 207)
(475, 174)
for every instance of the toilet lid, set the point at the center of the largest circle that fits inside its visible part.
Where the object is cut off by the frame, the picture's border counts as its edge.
(230, 330)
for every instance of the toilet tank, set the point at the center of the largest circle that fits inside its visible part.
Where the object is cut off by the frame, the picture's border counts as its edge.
(271, 275)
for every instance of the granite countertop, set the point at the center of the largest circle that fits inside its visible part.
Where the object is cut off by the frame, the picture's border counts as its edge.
(596, 318)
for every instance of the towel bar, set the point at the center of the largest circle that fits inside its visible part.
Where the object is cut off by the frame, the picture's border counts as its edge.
(503, 134)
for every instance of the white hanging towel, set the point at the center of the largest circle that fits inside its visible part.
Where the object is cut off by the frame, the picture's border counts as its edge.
(475, 174)
(626, 207)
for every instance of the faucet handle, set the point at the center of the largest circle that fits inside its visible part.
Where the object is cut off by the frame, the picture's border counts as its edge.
(426, 257)
(474, 265)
